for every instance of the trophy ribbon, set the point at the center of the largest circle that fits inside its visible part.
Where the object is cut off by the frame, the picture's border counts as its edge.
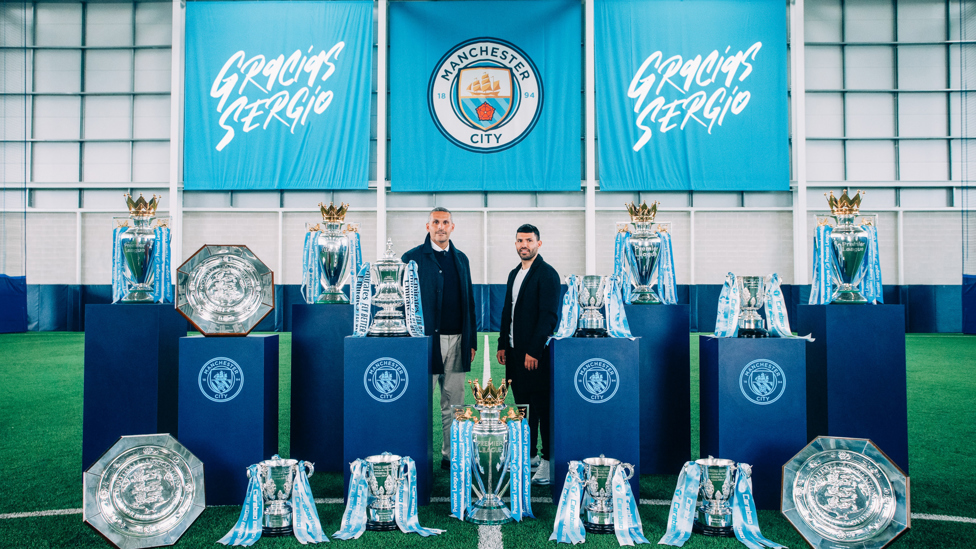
(568, 527)
(163, 289)
(311, 269)
(871, 287)
(354, 517)
(413, 308)
(355, 248)
(616, 318)
(822, 287)
(776, 316)
(666, 286)
(461, 444)
(626, 521)
(682, 514)
(744, 519)
(405, 511)
(520, 469)
(118, 278)
(570, 310)
(727, 322)
(307, 526)
(621, 265)
(247, 531)
(363, 290)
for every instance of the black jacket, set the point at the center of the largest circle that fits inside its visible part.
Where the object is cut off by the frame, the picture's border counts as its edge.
(536, 313)
(431, 288)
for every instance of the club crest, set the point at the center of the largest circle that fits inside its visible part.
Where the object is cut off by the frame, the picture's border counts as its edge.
(221, 379)
(386, 379)
(762, 381)
(596, 380)
(485, 95)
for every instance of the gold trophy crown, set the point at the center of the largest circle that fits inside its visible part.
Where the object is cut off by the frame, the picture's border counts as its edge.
(140, 207)
(642, 213)
(489, 395)
(845, 205)
(333, 214)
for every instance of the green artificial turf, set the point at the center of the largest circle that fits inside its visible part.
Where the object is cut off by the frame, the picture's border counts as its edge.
(40, 446)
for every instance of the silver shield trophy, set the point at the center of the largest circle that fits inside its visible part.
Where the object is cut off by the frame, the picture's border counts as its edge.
(644, 250)
(138, 245)
(752, 297)
(277, 477)
(714, 517)
(332, 249)
(389, 272)
(384, 473)
(848, 249)
(591, 291)
(598, 482)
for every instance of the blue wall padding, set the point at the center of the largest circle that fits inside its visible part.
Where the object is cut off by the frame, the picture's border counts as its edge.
(13, 304)
(968, 304)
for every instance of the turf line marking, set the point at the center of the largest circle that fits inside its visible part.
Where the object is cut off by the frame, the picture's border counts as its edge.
(328, 501)
(665, 502)
(490, 537)
(51, 513)
(945, 518)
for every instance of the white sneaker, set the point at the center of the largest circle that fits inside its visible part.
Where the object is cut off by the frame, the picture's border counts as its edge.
(541, 476)
(534, 462)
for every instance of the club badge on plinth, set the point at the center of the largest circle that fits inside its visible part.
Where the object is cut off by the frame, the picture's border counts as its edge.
(846, 267)
(331, 248)
(141, 254)
(601, 487)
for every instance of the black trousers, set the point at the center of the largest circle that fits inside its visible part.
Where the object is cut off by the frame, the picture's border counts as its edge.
(532, 387)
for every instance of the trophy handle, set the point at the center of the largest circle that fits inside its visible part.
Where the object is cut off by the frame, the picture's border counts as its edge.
(574, 475)
(310, 468)
(628, 470)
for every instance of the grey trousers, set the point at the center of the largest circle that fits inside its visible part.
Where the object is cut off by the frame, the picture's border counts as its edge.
(451, 383)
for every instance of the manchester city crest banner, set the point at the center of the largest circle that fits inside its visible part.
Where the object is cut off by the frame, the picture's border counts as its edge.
(277, 95)
(691, 95)
(485, 96)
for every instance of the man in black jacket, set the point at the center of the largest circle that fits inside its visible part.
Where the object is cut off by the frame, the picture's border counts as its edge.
(529, 317)
(448, 303)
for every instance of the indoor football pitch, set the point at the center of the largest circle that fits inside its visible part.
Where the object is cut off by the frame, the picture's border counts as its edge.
(41, 388)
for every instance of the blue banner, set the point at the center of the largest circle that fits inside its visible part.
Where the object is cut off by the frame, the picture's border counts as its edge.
(692, 95)
(277, 95)
(485, 96)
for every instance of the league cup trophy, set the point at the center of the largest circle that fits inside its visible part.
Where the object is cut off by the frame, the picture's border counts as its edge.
(277, 477)
(139, 249)
(383, 475)
(645, 245)
(752, 295)
(389, 273)
(332, 253)
(848, 248)
(717, 486)
(591, 321)
(598, 483)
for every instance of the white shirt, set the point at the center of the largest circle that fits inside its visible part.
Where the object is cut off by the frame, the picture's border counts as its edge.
(438, 248)
(516, 286)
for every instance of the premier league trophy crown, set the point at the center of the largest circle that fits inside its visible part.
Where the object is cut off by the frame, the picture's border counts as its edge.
(139, 249)
(598, 473)
(332, 253)
(389, 295)
(645, 245)
(848, 248)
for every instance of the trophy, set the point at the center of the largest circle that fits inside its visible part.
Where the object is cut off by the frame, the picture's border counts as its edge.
(752, 295)
(645, 248)
(138, 245)
(332, 253)
(848, 248)
(598, 482)
(389, 273)
(591, 290)
(717, 486)
(383, 475)
(277, 477)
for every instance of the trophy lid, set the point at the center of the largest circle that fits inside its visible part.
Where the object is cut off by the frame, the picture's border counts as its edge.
(333, 213)
(389, 256)
(488, 395)
(642, 213)
(141, 207)
(845, 205)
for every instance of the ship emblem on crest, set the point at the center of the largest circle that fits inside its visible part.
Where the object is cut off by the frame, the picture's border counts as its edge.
(221, 379)
(597, 380)
(386, 379)
(762, 381)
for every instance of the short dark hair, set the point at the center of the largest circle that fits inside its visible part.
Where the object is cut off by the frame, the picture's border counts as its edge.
(526, 228)
(440, 209)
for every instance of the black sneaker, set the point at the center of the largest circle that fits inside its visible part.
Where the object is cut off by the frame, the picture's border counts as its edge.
(445, 464)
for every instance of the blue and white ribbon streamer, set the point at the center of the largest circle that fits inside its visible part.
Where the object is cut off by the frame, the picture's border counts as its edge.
(568, 527)
(776, 315)
(248, 528)
(822, 288)
(626, 522)
(569, 315)
(744, 520)
(413, 309)
(461, 448)
(311, 268)
(305, 517)
(162, 287)
(355, 248)
(871, 287)
(520, 469)
(363, 289)
(727, 321)
(681, 517)
(616, 315)
(405, 511)
(621, 264)
(119, 286)
(666, 286)
(354, 517)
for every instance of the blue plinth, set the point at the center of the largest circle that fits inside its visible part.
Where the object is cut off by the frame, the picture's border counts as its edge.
(595, 404)
(665, 383)
(857, 379)
(388, 403)
(317, 346)
(229, 408)
(130, 374)
(753, 406)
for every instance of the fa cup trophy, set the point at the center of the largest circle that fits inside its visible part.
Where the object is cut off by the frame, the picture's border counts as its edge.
(645, 248)
(332, 253)
(139, 249)
(389, 297)
(848, 248)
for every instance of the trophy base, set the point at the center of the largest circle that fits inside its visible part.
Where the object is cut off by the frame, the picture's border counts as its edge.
(645, 299)
(713, 531)
(753, 333)
(278, 532)
(330, 298)
(385, 334)
(590, 332)
(489, 516)
(593, 528)
(138, 296)
(376, 526)
(848, 298)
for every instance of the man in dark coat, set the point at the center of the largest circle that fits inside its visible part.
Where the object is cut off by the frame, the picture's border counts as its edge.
(529, 317)
(448, 302)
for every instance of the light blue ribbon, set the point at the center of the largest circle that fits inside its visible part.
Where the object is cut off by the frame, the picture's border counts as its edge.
(363, 289)
(405, 512)
(744, 520)
(119, 285)
(727, 322)
(871, 287)
(248, 528)
(461, 443)
(621, 264)
(682, 514)
(570, 310)
(775, 304)
(568, 527)
(357, 262)
(626, 521)
(162, 287)
(822, 288)
(413, 308)
(520, 469)
(354, 517)
(667, 288)
(616, 315)
(305, 517)
(311, 268)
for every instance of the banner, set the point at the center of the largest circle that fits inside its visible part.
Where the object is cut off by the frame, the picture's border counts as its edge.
(485, 96)
(692, 95)
(277, 95)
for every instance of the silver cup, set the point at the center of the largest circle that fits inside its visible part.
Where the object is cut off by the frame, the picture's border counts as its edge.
(598, 482)
(848, 249)
(332, 253)
(389, 272)
(138, 245)
(384, 473)
(752, 296)
(718, 478)
(591, 321)
(277, 477)
(645, 248)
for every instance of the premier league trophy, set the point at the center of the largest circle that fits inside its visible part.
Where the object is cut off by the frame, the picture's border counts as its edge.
(848, 248)
(752, 295)
(591, 292)
(389, 273)
(332, 252)
(138, 245)
(645, 248)
(598, 473)
(718, 478)
(277, 477)
(384, 473)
